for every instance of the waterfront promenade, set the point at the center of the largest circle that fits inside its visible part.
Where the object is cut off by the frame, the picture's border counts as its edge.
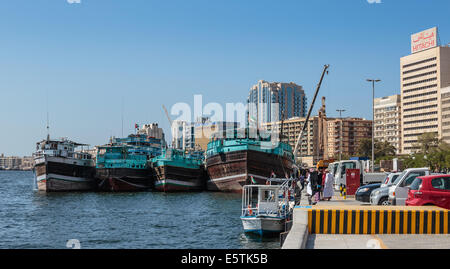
(301, 237)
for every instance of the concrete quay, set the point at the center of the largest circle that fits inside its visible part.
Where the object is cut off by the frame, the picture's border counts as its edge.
(349, 224)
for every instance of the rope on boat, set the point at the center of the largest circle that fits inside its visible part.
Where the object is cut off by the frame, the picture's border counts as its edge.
(134, 185)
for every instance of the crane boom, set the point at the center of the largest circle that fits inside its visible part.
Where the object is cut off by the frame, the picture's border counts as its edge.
(167, 115)
(297, 145)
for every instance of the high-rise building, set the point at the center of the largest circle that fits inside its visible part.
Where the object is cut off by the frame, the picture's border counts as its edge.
(388, 120)
(345, 135)
(274, 101)
(422, 75)
(445, 115)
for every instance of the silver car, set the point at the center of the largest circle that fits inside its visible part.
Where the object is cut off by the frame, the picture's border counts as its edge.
(380, 196)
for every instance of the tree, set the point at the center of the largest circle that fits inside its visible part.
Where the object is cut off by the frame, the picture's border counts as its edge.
(365, 147)
(432, 153)
(427, 142)
(382, 149)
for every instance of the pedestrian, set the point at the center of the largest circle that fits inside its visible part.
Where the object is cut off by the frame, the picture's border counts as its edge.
(314, 187)
(299, 187)
(322, 182)
(328, 186)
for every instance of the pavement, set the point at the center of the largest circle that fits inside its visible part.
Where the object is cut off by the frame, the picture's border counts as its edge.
(380, 241)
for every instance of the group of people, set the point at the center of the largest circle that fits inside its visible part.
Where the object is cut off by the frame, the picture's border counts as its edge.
(319, 185)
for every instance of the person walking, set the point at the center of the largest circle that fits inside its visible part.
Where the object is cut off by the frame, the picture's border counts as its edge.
(328, 186)
(299, 186)
(322, 182)
(314, 183)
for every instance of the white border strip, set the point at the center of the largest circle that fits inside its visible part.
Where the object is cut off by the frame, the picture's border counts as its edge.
(176, 182)
(61, 177)
(235, 176)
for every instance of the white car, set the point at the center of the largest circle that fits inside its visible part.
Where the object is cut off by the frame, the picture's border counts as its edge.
(390, 179)
(398, 193)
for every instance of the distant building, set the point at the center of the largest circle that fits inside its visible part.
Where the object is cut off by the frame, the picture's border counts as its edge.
(274, 101)
(347, 133)
(183, 135)
(204, 129)
(445, 115)
(388, 120)
(313, 145)
(290, 130)
(153, 130)
(16, 163)
(423, 74)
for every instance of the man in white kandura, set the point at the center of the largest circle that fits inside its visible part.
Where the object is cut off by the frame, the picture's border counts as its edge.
(328, 186)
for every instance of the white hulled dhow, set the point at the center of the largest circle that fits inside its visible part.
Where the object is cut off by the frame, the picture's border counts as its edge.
(58, 167)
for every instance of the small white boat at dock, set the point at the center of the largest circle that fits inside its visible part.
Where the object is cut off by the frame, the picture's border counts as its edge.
(266, 208)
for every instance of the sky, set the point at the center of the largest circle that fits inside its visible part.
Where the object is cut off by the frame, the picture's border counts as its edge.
(91, 63)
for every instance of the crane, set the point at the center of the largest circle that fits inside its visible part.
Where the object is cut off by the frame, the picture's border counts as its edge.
(167, 114)
(297, 145)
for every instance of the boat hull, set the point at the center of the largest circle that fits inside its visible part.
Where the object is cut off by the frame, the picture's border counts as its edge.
(124, 179)
(58, 174)
(170, 178)
(230, 171)
(263, 225)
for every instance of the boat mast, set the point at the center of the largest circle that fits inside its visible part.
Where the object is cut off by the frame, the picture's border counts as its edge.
(48, 124)
(297, 145)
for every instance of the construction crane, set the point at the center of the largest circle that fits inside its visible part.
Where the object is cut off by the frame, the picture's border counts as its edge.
(167, 114)
(298, 144)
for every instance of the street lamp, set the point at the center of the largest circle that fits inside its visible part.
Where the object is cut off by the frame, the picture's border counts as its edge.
(373, 120)
(341, 133)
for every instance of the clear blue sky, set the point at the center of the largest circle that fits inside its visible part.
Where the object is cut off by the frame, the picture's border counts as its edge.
(91, 56)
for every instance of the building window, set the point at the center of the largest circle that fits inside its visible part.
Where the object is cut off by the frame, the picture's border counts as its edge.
(420, 62)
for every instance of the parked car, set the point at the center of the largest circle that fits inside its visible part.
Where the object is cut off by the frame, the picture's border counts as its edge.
(430, 190)
(363, 192)
(398, 192)
(380, 196)
(390, 179)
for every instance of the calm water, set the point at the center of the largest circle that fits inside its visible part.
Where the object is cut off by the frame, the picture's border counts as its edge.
(31, 219)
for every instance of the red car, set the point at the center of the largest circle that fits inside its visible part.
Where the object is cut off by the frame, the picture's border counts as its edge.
(430, 190)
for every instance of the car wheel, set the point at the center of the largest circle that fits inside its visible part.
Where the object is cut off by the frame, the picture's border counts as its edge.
(384, 201)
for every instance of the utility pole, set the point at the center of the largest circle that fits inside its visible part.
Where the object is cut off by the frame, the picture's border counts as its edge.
(341, 133)
(373, 120)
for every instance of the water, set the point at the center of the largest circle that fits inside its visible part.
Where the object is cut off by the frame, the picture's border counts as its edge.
(147, 220)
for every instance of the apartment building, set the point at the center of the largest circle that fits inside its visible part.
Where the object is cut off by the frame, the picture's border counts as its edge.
(445, 115)
(290, 130)
(387, 123)
(345, 135)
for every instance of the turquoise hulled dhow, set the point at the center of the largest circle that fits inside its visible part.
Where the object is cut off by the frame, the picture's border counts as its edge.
(177, 170)
(123, 164)
(234, 162)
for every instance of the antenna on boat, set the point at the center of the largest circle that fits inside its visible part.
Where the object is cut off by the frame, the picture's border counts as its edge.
(48, 124)
(122, 116)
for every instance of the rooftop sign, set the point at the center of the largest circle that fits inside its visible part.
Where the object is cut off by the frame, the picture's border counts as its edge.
(424, 40)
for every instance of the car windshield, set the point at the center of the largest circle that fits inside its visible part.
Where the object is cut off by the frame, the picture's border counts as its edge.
(400, 177)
